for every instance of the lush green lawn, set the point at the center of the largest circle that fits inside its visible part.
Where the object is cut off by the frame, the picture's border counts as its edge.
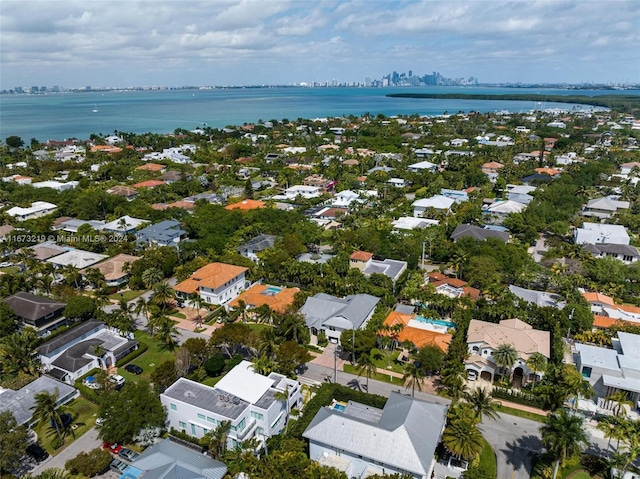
(348, 368)
(127, 295)
(151, 358)
(381, 361)
(523, 414)
(179, 315)
(84, 413)
(10, 270)
(212, 381)
(581, 475)
(258, 327)
(488, 460)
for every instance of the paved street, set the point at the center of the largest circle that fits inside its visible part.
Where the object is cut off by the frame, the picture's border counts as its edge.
(87, 442)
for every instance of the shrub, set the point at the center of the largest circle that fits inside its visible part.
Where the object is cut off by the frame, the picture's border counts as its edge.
(214, 365)
(517, 397)
(142, 348)
(322, 338)
(89, 463)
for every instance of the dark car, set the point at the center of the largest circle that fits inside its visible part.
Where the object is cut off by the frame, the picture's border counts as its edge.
(37, 452)
(132, 368)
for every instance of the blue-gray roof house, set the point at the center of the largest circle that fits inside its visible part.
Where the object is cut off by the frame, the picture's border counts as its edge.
(362, 440)
(169, 460)
(334, 315)
(165, 233)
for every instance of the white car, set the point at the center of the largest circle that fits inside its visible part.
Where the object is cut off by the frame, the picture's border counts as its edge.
(472, 375)
(117, 380)
(6, 264)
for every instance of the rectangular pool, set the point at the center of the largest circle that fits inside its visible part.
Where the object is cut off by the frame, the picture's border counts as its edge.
(438, 322)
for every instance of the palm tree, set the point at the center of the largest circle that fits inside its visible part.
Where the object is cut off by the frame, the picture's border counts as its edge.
(621, 399)
(564, 436)
(294, 327)
(263, 364)
(18, 352)
(537, 363)
(482, 403)
(413, 376)
(45, 410)
(283, 397)
(268, 342)
(151, 276)
(142, 306)
(607, 425)
(463, 438)
(196, 302)
(166, 333)
(505, 356)
(101, 297)
(162, 294)
(365, 365)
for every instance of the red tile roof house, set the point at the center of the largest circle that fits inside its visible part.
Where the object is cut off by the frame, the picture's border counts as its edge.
(149, 184)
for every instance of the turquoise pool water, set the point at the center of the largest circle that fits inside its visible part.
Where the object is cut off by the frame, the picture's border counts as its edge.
(339, 407)
(272, 290)
(439, 322)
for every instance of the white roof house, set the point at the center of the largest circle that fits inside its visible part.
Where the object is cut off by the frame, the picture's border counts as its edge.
(411, 223)
(604, 207)
(125, 224)
(344, 199)
(36, 210)
(422, 166)
(437, 202)
(78, 258)
(594, 233)
(55, 185)
(505, 207)
(304, 191)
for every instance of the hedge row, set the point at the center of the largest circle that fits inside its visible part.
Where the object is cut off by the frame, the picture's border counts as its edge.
(517, 397)
(88, 393)
(142, 348)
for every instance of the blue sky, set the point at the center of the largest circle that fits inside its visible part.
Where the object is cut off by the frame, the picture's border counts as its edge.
(234, 42)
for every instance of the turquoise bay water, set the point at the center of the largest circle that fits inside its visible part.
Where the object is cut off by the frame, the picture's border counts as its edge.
(69, 115)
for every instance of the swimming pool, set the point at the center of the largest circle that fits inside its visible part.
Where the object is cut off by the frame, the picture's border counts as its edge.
(339, 407)
(439, 322)
(272, 290)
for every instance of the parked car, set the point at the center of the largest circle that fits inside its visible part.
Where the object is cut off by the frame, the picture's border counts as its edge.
(472, 375)
(117, 380)
(37, 452)
(114, 448)
(133, 369)
(118, 466)
(128, 454)
(6, 264)
(99, 421)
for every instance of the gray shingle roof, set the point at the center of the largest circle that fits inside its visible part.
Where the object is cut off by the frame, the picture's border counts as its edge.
(539, 298)
(66, 337)
(356, 308)
(403, 435)
(168, 460)
(259, 243)
(32, 307)
(477, 233)
(19, 402)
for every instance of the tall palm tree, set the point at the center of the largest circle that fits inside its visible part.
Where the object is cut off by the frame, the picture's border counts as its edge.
(283, 397)
(196, 302)
(166, 333)
(142, 307)
(413, 377)
(537, 363)
(365, 365)
(463, 438)
(294, 327)
(621, 399)
(268, 342)
(505, 356)
(263, 364)
(607, 425)
(564, 436)
(151, 276)
(482, 403)
(46, 410)
(162, 294)
(101, 297)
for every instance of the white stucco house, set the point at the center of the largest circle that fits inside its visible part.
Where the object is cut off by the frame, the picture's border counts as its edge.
(250, 401)
(215, 283)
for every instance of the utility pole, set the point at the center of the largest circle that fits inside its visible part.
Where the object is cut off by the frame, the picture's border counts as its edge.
(423, 245)
(335, 366)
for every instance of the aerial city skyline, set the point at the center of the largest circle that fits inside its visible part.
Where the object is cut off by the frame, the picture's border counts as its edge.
(121, 44)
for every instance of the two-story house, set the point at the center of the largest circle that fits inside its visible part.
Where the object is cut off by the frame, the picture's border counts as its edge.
(42, 314)
(365, 262)
(256, 406)
(483, 338)
(215, 283)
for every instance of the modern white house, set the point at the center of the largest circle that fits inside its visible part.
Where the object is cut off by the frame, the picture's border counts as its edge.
(611, 370)
(56, 185)
(304, 191)
(36, 210)
(422, 166)
(76, 352)
(411, 223)
(215, 283)
(361, 440)
(594, 233)
(483, 338)
(439, 203)
(344, 199)
(256, 405)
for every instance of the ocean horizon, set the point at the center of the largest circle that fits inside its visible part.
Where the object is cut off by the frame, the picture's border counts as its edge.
(78, 115)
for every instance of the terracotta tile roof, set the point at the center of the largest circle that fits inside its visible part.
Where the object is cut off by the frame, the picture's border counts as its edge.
(149, 184)
(246, 205)
(493, 165)
(151, 167)
(548, 171)
(244, 160)
(519, 334)
(361, 256)
(598, 298)
(255, 297)
(419, 337)
(112, 268)
(604, 322)
(106, 148)
(211, 276)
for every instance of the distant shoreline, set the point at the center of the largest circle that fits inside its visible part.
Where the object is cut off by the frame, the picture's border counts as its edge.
(627, 103)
